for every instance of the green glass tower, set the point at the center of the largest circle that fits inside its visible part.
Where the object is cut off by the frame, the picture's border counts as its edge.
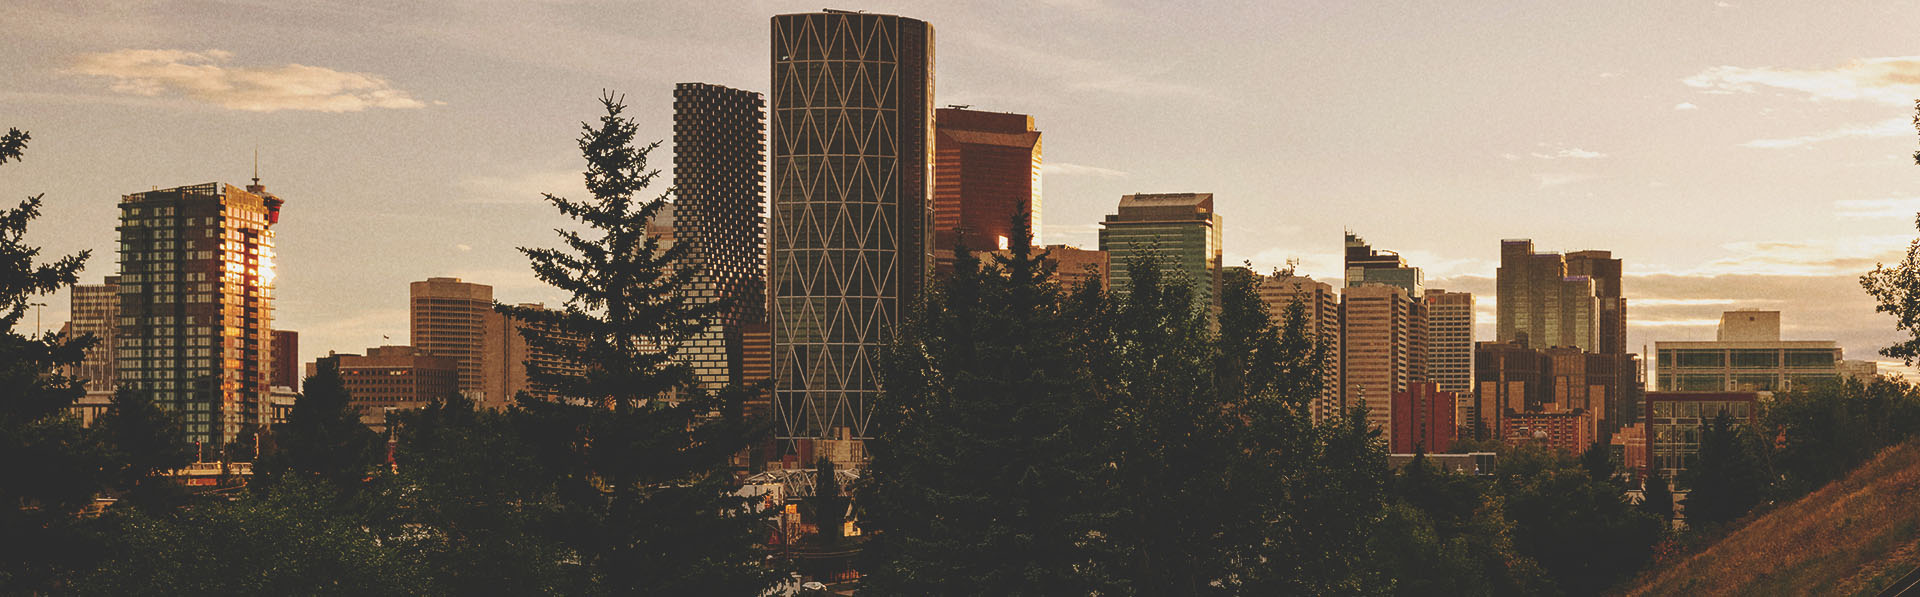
(1179, 230)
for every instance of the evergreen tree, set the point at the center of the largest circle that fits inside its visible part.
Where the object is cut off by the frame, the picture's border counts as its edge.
(1582, 532)
(322, 437)
(469, 505)
(1597, 460)
(640, 458)
(54, 469)
(989, 435)
(827, 508)
(1657, 497)
(1729, 477)
(1175, 442)
(145, 442)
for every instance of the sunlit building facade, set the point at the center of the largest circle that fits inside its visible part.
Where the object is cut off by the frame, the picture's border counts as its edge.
(1384, 348)
(1450, 346)
(447, 317)
(986, 173)
(1320, 306)
(851, 236)
(196, 305)
(1539, 302)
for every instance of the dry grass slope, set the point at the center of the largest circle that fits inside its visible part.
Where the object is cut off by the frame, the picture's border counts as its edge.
(1850, 537)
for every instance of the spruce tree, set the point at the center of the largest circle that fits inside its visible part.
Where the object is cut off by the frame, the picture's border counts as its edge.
(322, 437)
(1657, 497)
(640, 457)
(1728, 478)
(145, 442)
(54, 468)
(990, 432)
(827, 507)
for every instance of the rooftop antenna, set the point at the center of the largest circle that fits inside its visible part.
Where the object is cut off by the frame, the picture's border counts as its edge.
(256, 165)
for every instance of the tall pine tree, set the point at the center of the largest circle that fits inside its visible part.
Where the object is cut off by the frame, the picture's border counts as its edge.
(990, 436)
(639, 456)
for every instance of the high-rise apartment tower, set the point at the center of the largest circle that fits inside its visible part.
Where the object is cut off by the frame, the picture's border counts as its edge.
(196, 304)
(1450, 346)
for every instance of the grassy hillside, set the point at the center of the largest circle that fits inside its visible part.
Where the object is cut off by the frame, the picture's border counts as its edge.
(1851, 537)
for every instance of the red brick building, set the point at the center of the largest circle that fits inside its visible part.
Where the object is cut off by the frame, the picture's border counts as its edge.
(1569, 431)
(393, 378)
(1422, 419)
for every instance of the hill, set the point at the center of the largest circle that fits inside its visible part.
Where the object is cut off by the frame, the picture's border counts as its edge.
(1851, 537)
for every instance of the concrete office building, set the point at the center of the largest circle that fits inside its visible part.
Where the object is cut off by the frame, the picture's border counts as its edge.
(1450, 346)
(448, 318)
(1179, 231)
(718, 160)
(1384, 348)
(196, 304)
(986, 173)
(851, 235)
(1747, 356)
(504, 361)
(1322, 309)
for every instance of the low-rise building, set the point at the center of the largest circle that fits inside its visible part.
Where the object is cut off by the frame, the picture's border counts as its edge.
(390, 378)
(1675, 421)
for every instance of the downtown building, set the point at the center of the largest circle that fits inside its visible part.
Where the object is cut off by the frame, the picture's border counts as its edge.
(1384, 332)
(196, 305)
(391, 378)
(1422, 419)
(1747, 355)
(1450, 346)
(447, 317)
(1383, 348)
(986, 173)
(850, 241)
(1179, 232)
(718, 160)
(1320, 305)
(95, 311)
(1571, 306)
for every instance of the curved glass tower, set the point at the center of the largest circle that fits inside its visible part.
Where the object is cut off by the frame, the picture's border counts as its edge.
(850, 233)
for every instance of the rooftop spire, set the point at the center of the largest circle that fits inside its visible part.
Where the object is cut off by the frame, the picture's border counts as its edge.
(256, 165)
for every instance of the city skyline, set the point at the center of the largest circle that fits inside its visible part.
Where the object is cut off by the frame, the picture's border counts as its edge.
(1757, 173)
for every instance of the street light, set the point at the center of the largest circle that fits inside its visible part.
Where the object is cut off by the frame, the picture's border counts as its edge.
(36, 317)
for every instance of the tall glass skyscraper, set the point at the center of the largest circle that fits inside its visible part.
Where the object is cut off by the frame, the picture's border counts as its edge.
(850, 236)
(196, 304)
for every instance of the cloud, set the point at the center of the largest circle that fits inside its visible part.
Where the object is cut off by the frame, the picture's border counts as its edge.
(1065, 169)
(1848, 256)
(207, 78)
(1891, 80)
(1107, 76)
(1685, 106)
(1570, 153)
(1901, 208)
(1680, 302)
(463, 247)
(1894, 127)
(1554, 179)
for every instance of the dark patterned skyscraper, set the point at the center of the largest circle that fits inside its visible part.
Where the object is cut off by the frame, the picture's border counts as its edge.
(718, 157)
(852, 151)
(196, 304)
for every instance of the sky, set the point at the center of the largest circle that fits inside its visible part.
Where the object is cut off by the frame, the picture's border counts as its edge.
(1735, 154)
